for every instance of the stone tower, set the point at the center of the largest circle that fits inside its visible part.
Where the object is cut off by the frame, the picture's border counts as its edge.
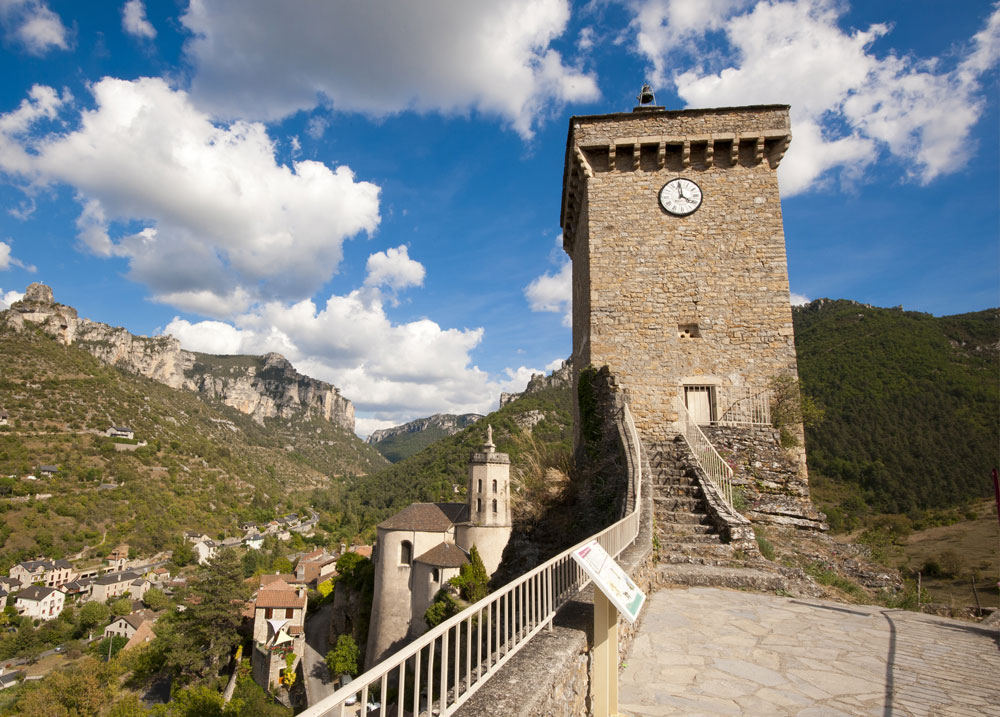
(489, 524)
(680, 284)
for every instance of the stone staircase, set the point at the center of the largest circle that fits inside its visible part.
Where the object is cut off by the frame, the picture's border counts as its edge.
(691, 550)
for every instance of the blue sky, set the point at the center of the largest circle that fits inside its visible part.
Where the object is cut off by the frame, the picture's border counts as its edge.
(372, 189)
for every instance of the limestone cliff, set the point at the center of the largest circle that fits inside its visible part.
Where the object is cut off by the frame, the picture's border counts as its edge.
(560, 378)
(260, 386)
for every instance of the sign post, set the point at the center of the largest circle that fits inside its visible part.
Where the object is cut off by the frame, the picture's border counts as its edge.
(614, 592)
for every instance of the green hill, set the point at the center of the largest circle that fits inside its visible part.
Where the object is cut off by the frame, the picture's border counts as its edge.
(912, 404)
(205, 466)
(404, 441)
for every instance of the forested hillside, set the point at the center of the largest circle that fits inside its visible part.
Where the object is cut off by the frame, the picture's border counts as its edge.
(205, 466)
(912, 403)
(536, 430)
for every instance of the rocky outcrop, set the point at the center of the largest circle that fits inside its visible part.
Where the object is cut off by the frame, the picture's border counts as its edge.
(447, 422)
(560, 378)
(260, 386)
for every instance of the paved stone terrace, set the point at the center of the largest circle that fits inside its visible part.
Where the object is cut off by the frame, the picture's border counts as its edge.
(709, 651)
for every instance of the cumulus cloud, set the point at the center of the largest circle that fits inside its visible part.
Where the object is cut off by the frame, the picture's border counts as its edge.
(553, 292)
(33, 26)
(224, 221)
(394, 268)
(134, 20)
(7, 261)
(848, 103)
(9, 298)
(394, 372)
(798, 299)
(253, 58)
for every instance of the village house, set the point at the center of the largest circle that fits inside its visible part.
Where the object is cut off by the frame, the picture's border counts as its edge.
(78, 589)
(3, 598)
(254, 542)
(120, 432)
(278, 629)
(4, 417)
(143, 634)
(48, 471)
(315, 567)
(118, 558)
(11, 585)
(128, 625)
(205, 549)
(40, 603)
(158, 575)
(115, 585)
(51, 573)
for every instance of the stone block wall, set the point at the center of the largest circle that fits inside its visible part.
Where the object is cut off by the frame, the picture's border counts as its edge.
(641, 274)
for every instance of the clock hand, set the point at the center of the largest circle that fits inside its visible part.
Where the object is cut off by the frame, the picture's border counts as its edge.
(680, 193)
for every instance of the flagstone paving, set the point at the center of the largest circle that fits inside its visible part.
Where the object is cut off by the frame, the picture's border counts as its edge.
(709, 651)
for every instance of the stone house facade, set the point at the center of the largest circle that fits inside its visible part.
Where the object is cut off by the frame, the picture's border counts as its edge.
(278, 630)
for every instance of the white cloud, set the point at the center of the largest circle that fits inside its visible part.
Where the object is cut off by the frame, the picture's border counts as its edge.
(253, 58)
(553, 292)
(394, 268)
(224, 220)
(798, 299)
(848, 104)
(9, 298)
(31, 24)
(393, 372)
(134, 20)
(7, 261)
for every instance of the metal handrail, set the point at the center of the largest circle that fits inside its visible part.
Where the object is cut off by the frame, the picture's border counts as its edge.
(715, 467)
(444, 667)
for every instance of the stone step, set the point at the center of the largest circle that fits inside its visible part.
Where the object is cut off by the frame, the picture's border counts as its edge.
(666, 516)
(685, 529)
(702, 575)
(693, 491)
(679, 503)
(688, 542)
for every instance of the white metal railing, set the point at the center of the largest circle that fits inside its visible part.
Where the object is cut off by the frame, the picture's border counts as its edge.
(717, 470)
(440, 670)
(743, 405)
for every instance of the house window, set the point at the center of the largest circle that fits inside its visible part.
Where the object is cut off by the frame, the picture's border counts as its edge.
(494, 486)
(494, 505)
(289, 611)
(406, 553)
(269, 613)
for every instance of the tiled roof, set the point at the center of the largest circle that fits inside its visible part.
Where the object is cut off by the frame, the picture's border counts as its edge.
(427, 517)
(280, 598)
(35, 592)
(113, 578)
(445, 555)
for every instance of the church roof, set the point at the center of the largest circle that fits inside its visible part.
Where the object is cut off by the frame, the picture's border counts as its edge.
(427, 517)
(445, 555)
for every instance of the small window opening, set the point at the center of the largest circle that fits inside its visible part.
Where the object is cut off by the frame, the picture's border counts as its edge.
(688, 331)
(494, 486)
(494, 505)
(480, 485)
(435, 575)
(406, 552)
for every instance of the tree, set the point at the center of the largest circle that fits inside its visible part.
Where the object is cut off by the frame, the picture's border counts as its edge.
(121, 607)
(155, 599)
(206, 631)
(472, 579)
(343, 659)
(93, 614)
(183, 554)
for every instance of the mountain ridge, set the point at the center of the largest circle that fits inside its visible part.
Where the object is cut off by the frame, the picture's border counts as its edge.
(267, 386)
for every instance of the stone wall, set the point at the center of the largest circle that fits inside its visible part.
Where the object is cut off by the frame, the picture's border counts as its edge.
(640, 274)
(770, 477)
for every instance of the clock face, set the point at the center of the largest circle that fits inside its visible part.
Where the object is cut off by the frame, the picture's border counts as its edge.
(680, 197)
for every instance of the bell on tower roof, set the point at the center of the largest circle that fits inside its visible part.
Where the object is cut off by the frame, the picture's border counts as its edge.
(646, 99)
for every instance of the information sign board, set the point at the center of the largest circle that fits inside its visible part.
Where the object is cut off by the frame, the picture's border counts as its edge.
(610, 579)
